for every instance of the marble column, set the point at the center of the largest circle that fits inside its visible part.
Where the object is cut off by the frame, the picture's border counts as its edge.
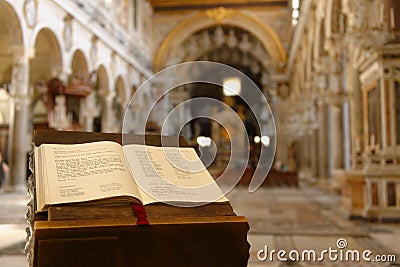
(108, 117)
(19, 141)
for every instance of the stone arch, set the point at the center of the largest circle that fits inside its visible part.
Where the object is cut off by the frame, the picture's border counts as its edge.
(79, 78)
(45, 65)
(47, 62)
(100, 86)
(104, 74)
(102, 80)
(11, 9)
(11, 35)
(259, 29)
(43, 25)
(240, 50)
(121, 90)
(79, 63)
(120, 100)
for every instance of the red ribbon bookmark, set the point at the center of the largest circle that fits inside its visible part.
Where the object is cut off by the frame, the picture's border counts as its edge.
(141, 215)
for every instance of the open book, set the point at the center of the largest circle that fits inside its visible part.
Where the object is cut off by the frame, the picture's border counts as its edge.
(106, 173)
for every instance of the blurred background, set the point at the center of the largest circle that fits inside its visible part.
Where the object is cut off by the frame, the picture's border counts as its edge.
(330, 71)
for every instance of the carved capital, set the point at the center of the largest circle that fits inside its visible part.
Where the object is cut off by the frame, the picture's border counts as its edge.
(22, 54)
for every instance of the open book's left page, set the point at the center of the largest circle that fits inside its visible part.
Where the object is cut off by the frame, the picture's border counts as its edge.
(81, 172)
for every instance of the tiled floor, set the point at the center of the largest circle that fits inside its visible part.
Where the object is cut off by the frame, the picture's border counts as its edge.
(304, 218)
(308, 219)
(12, 229)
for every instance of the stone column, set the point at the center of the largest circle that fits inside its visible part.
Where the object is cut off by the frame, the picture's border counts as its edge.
(19, 142)
(89, 111)
(88, 124)
(355, 108)
(166, 109)
(307, 156)
(335, 137)
(284, 139)
(346, 136)
(323, 145)
(63, 76)
(107, 123)
(314, 153)
(301, 155)
(124, 109)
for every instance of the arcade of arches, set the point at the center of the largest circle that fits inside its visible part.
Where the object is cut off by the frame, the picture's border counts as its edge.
(330, 71)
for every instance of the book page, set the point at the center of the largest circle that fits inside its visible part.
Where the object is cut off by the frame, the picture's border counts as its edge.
(171, 174)
(83, 172)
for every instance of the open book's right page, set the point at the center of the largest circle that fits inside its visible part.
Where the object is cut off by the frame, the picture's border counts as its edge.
(171, 174)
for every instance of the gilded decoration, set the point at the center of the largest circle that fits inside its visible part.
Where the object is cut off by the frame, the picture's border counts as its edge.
(219, 14)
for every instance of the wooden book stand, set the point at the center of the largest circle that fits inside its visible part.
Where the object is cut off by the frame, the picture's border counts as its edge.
(67, 235)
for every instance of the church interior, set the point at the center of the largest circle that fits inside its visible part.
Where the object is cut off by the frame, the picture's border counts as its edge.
(329, 72)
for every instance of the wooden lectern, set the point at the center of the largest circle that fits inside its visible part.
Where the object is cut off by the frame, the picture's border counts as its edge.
(67, 235)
